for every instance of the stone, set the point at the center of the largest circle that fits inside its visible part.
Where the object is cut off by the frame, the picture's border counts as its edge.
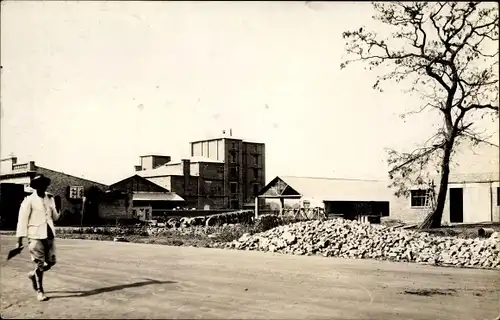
(349, 239)
(289, 238)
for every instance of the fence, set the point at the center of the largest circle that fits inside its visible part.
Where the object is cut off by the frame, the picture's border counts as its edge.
(159, 214)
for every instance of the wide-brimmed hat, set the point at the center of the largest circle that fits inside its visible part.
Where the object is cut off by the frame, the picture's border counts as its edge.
(39, 180)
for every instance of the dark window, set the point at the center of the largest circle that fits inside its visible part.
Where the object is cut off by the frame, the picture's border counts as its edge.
(57, 200)
(498, 196)
(232, 157)
(255, 159)
(233, 187)
(233, 173)
(255, 173)
(235, 204)
(256, 189)
(419, 198)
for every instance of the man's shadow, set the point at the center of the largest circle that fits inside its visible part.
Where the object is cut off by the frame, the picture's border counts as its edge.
(75, 294)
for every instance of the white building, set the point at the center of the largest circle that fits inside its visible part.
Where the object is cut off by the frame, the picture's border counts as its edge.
(473, 190)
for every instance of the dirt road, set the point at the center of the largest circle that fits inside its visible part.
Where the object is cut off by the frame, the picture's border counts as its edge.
(125, 280)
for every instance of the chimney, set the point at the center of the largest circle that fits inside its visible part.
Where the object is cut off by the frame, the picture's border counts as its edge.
(186, 170)
(138, 168)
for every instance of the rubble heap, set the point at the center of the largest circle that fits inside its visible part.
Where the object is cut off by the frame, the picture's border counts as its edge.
(351, 239)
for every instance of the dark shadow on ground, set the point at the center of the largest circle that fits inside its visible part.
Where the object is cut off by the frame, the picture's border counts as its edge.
(76, 294)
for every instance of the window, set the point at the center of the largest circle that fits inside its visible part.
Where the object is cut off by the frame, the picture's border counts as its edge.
(57, 201)
(256, 189)
(75, 192)
(233, 187)
(233, 173)
(419, 198)
(498, 196)
(255, 173)
(232, 157)
(233, 145)
(255, 159)
(235, 204)
(208, 187)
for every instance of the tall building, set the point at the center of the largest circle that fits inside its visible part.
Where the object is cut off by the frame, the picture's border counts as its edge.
(244, 167)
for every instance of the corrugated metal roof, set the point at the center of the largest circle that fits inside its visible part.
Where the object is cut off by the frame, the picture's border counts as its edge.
(156, 196)
(337, 189)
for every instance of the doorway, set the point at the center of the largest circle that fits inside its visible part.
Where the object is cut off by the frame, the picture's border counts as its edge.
(456, 205)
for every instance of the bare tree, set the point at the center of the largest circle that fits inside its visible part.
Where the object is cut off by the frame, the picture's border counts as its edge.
(446, 52)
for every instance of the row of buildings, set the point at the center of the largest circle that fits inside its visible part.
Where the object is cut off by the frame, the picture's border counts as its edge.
(221, 174)
(227, 173)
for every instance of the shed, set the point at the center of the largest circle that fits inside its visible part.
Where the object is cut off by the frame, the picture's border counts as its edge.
(347, 197)
(147, 194)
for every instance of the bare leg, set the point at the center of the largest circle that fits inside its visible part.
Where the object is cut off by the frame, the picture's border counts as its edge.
(32, 277)
(39, 277)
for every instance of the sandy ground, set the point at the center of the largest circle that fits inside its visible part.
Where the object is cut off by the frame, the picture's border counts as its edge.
(125, 280)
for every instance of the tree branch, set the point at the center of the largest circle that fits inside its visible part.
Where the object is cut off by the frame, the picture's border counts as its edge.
(484, 106)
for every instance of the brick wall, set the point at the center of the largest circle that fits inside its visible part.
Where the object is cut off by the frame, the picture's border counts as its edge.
(116, 209)
(190, 196)
(400, 208)
(59, 187)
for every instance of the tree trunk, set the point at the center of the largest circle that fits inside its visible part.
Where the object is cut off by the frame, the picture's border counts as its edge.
(437, 215)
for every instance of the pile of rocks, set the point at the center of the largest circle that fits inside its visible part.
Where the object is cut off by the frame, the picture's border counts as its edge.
(350, 239)
(240, 217)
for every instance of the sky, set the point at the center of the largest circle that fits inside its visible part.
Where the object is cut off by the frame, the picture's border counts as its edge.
(88, 87)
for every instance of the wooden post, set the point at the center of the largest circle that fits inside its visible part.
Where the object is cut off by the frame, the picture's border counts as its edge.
(82, 212)
(282, 202)
(256, 207)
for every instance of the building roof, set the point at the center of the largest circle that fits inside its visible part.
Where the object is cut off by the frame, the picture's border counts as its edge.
(138, 177)
(473, 177)
(153, 155)
(333, 189)
(29, 169)
(220, 137)
(174, 168)
(156, 196)
(196, 159)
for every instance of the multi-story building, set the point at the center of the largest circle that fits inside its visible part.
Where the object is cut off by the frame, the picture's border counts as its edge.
(244, 167)
(198, 180)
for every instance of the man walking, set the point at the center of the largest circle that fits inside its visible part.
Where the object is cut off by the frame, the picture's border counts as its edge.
(36, 222)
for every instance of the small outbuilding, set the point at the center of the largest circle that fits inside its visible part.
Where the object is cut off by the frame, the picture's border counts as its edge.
(350, 198)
